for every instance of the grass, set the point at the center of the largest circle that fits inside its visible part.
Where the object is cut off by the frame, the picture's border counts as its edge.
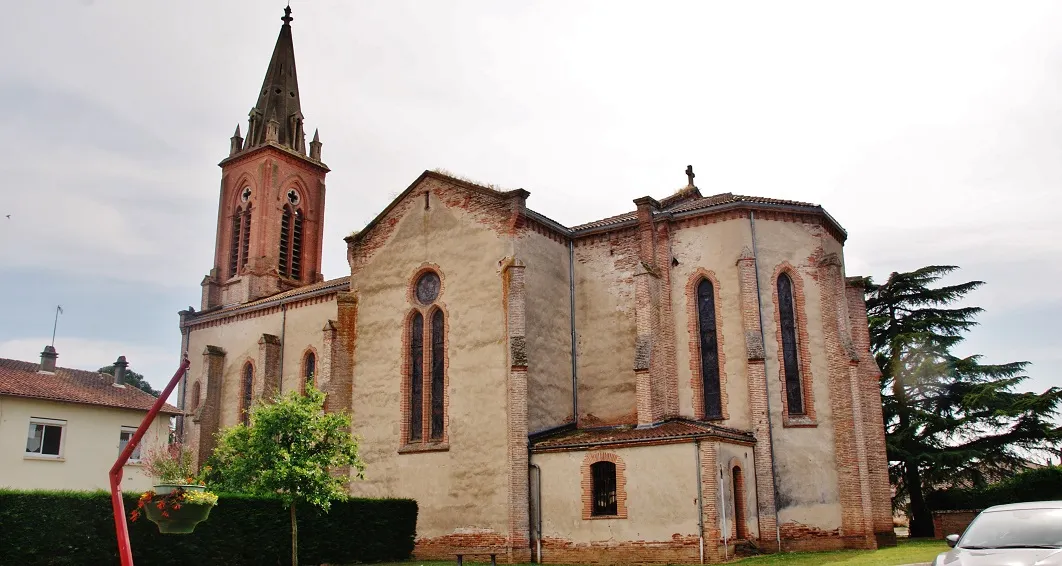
(906, 552)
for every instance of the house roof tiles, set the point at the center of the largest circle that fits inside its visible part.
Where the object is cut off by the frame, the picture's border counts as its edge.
(22, 379)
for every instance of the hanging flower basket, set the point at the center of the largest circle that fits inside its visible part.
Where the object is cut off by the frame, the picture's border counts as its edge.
(176, 509)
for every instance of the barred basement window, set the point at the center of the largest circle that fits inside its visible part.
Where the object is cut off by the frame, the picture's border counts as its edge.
(247, 385)
(603, 477)
(416, 376)
(790, 351)
(234, 245)
(713, 402)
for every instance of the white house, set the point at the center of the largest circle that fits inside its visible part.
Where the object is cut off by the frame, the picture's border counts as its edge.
(63, 428)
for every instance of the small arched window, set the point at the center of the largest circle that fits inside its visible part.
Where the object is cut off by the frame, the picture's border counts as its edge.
(709, 350)
(195, 395)
(790, 348)
(309, 369)
(603, 488)
(246, 392)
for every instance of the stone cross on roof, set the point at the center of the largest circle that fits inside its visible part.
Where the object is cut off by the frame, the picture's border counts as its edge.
(689, 174)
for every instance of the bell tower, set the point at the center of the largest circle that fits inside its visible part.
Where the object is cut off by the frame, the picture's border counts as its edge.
(271, 210)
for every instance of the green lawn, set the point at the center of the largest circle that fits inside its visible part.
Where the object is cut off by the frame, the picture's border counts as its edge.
(906, 552)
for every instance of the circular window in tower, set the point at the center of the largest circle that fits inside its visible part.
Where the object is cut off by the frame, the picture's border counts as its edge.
(293, 197)
(427, 288)
(245, 194)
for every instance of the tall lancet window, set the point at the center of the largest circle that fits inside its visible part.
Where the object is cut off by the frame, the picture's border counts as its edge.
(291, 221)
(709, 350)
(790, 348)
(425, 366)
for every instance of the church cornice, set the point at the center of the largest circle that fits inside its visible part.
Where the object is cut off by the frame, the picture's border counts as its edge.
(295, 298)
(283, 152)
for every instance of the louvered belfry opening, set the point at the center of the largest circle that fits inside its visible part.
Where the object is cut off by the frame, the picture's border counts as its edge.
(234, 244)
(290, 261)
(790, 353)
(603, 475)
(246, 236)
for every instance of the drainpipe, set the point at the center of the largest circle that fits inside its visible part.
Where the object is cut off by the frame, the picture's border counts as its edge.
(571, 297)
(283, 328)
(700, 497)
(538, 507)
(767, 389)
(722, 514)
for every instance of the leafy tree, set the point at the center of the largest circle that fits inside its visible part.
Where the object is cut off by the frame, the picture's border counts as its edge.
(290, 450)
(949, 420)
(133, 378)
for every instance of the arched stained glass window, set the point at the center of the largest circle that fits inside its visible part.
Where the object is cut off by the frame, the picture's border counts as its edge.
(425, 415)
(247, 392)
(438, 393)
(416, 377)
(790, 349)
(709, 347)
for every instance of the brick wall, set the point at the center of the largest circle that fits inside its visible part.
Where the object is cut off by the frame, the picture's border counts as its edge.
(952, 522)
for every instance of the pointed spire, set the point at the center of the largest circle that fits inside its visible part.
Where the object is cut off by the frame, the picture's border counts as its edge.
(279, 96)
(315, 146)
(236, 142)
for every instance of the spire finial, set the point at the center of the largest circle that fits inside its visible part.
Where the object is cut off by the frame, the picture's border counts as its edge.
(287, 15)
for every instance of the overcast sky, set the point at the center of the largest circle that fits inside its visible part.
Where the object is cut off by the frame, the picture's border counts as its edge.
(931, 131)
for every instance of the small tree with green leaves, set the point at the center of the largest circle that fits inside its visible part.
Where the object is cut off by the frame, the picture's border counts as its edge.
(290, 449)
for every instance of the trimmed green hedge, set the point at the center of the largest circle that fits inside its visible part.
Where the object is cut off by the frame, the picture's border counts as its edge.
(74, 528)
(1040, 484)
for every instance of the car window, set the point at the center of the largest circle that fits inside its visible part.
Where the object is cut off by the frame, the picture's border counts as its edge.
(1017, 528)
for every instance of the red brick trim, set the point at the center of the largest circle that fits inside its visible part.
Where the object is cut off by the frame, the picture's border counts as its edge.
(693, 325)
(741, 528)
(425, 444)
(588, 485)
(316, 368)
(803, 348)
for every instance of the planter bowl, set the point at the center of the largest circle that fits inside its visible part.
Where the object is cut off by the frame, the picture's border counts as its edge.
(167, 488)
(180, 521)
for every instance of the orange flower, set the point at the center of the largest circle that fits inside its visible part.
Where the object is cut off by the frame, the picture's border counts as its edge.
(161, 504)
(165, 514)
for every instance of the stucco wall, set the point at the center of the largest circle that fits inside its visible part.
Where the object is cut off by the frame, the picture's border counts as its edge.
(239, 338)
(713, 248)
(605, 326)
(731, 455)
(661, 488)
(549, 342)
(89, 446)
(805, 462)
(466, 485)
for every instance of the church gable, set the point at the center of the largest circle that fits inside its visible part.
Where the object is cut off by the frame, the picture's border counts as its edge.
(499, 211)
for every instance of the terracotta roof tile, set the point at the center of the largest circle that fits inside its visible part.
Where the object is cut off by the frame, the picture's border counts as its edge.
(727, 198)
(21, 379)
(295, 293)
(675, 429)
(607, 221)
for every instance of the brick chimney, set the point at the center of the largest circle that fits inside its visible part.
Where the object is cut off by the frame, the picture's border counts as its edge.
(48, 357)
(119, 371)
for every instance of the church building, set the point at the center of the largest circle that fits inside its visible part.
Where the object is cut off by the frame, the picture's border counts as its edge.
(678, 383)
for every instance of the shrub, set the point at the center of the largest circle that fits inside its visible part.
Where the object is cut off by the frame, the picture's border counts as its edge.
(1040, 484)
(77, 528)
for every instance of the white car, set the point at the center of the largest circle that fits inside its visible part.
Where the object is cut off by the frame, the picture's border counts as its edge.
(1018, 534)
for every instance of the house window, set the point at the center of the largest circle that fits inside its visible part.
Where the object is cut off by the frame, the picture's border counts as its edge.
(425, 388)
(247, 385)
(790, 352)
(45, 437)
(123, 439)
(290, 263)
(309, 369)
(709, 350)
(603, 475)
